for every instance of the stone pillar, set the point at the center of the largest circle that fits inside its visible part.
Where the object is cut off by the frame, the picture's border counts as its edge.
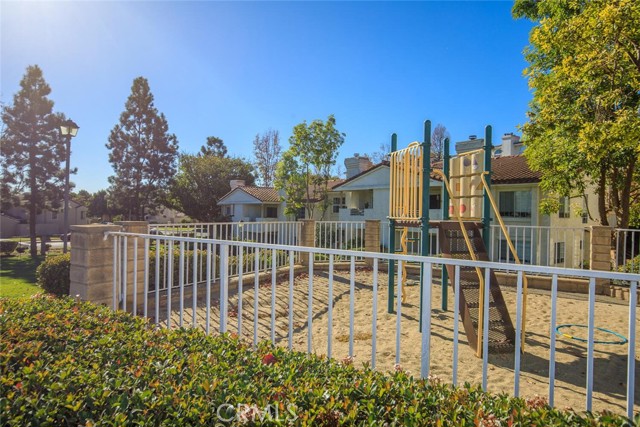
(92, 263)
(135, 227)
(308, 237)
(600, 254)
(371, 238)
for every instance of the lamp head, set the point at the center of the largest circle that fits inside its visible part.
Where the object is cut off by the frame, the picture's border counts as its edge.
(69, 127)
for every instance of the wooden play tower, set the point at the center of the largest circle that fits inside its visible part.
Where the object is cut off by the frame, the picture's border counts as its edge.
(464, 232)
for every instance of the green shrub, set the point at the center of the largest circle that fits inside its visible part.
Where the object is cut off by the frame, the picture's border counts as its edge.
(8, 246)
(631, 266)
(247, 261)
(64, 362)
(53, 274)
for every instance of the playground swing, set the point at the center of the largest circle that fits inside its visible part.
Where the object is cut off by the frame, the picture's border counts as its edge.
(471, 202)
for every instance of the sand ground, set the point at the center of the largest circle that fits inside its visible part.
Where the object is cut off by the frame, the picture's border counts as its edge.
(610, 361)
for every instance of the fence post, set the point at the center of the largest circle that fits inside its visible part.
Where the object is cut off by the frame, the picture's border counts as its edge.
(135, 227)
(308, 236)
(600, 255)
(92, 263)
(371, 238)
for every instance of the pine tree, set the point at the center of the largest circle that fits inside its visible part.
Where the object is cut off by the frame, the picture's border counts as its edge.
(143, 154)
(214, 147)
(32, 148)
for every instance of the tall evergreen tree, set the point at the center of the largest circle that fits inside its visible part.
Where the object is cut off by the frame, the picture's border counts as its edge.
(32, 148)
(143, 153)
(214, 147)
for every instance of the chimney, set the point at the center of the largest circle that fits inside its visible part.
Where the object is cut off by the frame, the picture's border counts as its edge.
(473, 143)
(509, 144)
(356, 165)
(235, 183)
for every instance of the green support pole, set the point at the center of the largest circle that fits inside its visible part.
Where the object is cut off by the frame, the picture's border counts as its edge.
(426, 181)
(392, 243)
(486, 207)
(445, 217)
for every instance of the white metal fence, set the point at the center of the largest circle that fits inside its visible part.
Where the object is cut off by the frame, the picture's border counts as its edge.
(347, 235)
(627, 249)
(191, 257)
(272, 232)
(163, 295)
(538, 245)
(414, 239)
(535, 245)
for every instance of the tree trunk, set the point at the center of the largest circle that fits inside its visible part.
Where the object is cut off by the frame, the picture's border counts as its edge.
(626, 194)
(602, 190)
(33, 248)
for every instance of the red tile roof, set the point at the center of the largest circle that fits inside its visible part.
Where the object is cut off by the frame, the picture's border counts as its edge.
(264, 194)
(512, 170)
(506, 170)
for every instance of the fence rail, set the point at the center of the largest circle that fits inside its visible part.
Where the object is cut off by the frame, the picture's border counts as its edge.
(414, 240)
(153, 290)
(627, 249)
(169, 253)
(348, 235)
(538, 245)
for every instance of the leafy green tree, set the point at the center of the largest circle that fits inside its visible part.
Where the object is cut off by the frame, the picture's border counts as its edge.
(584, 127)
(83, 197)
(305, 169)
(214, 147)
(143, 154)
(202, 180)
(266, 151)
(32, 149)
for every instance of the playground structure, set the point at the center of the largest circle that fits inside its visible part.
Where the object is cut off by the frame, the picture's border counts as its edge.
(466, 210)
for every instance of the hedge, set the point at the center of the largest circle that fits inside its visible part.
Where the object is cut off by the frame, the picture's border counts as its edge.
(8, 246)
(65, 362)
(53, 274)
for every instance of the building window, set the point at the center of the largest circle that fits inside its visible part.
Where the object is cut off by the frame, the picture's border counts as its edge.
(435, 201)
(523, 250)
(515, 204)
(338, 203)
(81, 214)
(559, 246)
(300, 213)
(228, 210)
(564, 208)
(272, 212)
(54, 214)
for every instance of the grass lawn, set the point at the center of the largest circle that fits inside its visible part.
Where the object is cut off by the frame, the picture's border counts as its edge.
(18, 276)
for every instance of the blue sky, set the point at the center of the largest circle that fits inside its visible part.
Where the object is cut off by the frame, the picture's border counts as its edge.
(235, 69)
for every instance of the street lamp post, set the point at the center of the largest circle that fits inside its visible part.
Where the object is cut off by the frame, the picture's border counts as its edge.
(68, 129)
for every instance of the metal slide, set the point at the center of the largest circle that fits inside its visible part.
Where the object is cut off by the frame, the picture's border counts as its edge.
(454, 245)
